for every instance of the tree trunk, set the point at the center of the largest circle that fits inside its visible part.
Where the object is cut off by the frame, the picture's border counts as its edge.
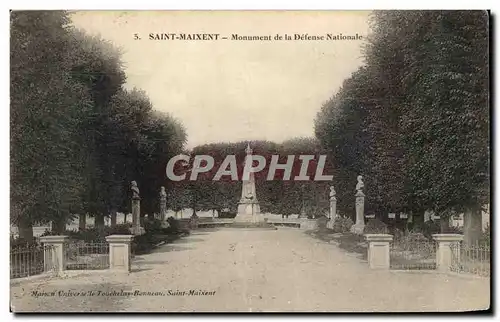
(99, 221)
(25, 229)
(113, 218)
(419, 218)
(472, 226)
(444, 223)
(82, 221)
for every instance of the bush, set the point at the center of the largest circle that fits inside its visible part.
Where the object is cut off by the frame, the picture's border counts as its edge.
(155, 234)
(414, 238)
(416, 242)
(342, 225)
(121, 229)
(143, 243)
(376, 226)
(20, 243)
(315, 212)
(427, 228)
(453, 230)
(153, 226)
(227, 214)
(485, 237)
(175, 227)
(322, 221)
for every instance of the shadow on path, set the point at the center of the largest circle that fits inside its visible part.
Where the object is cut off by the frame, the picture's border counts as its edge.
(136, 270)
(169, 248)
(188, 240)
(350, 243)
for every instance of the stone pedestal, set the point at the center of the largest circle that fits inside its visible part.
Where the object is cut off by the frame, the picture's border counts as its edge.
(136, 216)
(55, 253)
(163, 209)
(333, 212)
(249, 211)
(120, 252)
(333, 208)
(359, 226)
(378, 250)
(444, 250)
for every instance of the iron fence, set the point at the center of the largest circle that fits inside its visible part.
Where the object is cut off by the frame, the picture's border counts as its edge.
(471, 258)
(413, 254)
(81, 255)
(29, 260)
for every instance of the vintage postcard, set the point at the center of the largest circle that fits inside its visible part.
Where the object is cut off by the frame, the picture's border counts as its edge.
(249, 161)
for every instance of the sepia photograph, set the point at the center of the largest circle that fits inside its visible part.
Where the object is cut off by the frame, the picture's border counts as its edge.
(250, 161)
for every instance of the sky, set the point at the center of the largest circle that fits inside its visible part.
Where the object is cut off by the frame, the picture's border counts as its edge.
(230, 90)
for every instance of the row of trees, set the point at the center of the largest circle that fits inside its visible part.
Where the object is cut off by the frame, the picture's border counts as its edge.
(78, 137)
(414, 120)
(276, 196)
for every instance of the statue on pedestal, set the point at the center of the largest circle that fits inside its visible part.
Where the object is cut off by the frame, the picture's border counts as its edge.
(359, 226)
(332, 193)
(333, 207)
(135, 190)
(360, 185)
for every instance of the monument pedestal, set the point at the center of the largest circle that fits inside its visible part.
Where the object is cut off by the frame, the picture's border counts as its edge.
(249, 212)
(359, 226)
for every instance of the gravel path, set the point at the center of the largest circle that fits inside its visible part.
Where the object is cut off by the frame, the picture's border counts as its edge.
(251, 271)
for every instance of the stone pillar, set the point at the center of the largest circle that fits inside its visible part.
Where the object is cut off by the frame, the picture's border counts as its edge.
(136, 216)
(444, 250)
(113, 218)
(333, 208)
(378, 250)
(136, 210)
(359, 226)
(82, 221)
(55, 253)
(119, 252)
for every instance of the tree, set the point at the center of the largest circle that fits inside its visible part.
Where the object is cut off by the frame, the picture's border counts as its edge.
(416, 115)
(46, 110)
(78, 138)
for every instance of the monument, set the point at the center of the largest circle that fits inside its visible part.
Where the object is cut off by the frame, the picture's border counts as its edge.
(359, 226)
(248, 206)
